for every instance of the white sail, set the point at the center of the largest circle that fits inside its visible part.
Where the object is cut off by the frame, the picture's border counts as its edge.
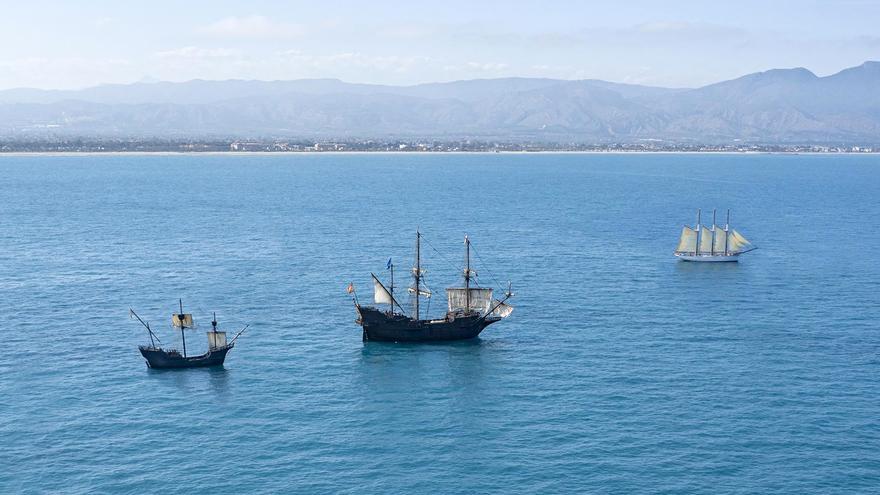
(216, 340)
(720, 236)
(737, 243)
(501, 310)
(688, 241)
(480, 299)
(705, 241)
(380, 293)
(184, 320)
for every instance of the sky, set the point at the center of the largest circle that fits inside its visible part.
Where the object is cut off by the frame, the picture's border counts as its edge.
(69, 45)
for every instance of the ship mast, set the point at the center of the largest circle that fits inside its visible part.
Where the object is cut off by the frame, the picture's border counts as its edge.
(467, 275)
(726, 232)
(699, 234)
(417, 274)
(713, 233)
(181, 318)
(391, 265)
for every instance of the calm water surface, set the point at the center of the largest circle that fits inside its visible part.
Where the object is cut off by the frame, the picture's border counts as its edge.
(620, 371)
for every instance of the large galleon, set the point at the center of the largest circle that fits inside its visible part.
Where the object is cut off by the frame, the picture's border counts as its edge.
(470, 309)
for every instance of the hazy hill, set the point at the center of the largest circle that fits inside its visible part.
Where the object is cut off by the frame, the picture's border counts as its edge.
(776, 106)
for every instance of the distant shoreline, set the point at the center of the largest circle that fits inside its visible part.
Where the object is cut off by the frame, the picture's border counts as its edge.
(420, 153)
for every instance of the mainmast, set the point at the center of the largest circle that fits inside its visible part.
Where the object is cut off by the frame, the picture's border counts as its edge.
(417, 273)
(727, 232)
(713, 233)
(182, 318)
(467, 275)
(391, 266)
(699, 234)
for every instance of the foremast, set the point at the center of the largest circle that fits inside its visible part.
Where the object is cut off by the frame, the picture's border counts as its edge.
(391, 287)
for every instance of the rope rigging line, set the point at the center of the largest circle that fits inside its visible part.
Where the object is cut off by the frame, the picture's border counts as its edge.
(485, 266)
(453, 265)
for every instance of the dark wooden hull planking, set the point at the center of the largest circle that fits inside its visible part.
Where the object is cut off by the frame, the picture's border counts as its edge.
(385, 327)
(162, 359)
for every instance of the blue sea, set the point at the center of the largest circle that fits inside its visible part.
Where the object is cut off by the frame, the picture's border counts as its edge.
(620, 371)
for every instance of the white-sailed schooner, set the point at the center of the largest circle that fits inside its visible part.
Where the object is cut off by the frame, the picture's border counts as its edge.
(714, 244)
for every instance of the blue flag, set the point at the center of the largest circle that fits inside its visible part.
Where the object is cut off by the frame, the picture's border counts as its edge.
(388, 267)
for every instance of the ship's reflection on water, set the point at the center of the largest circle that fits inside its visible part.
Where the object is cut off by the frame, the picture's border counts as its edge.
(397, 368)
(194, 379)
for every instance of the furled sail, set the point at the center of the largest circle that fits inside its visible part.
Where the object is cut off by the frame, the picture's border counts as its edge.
(422, 292)
(501, 310)
(216, 340)
(380, 293)
(705, 241)
(720, 236)
(737, 243)
(480, 299)
(688, 241)
(182, 320)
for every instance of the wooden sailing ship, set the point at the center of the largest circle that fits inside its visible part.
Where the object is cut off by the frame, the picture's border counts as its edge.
(715, 244)
(160, 358)
(470, 309)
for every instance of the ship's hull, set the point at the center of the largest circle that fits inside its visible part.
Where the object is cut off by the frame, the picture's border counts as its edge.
(709, 258)
(385, 327)
(162, 359)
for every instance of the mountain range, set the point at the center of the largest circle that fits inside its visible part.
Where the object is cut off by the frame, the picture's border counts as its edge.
(776, 106)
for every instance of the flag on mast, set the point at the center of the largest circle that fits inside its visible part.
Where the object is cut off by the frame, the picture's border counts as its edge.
(350, 287)
(389, 265)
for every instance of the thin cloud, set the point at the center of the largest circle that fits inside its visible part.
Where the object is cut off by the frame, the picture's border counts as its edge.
(252, 26)
(408, 31)
(393, 63)
(689, 30)
(477, 67)
(103, 21)
(487, 67)
(194, 52)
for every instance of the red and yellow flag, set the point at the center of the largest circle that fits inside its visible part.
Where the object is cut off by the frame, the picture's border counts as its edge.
(350, 287)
